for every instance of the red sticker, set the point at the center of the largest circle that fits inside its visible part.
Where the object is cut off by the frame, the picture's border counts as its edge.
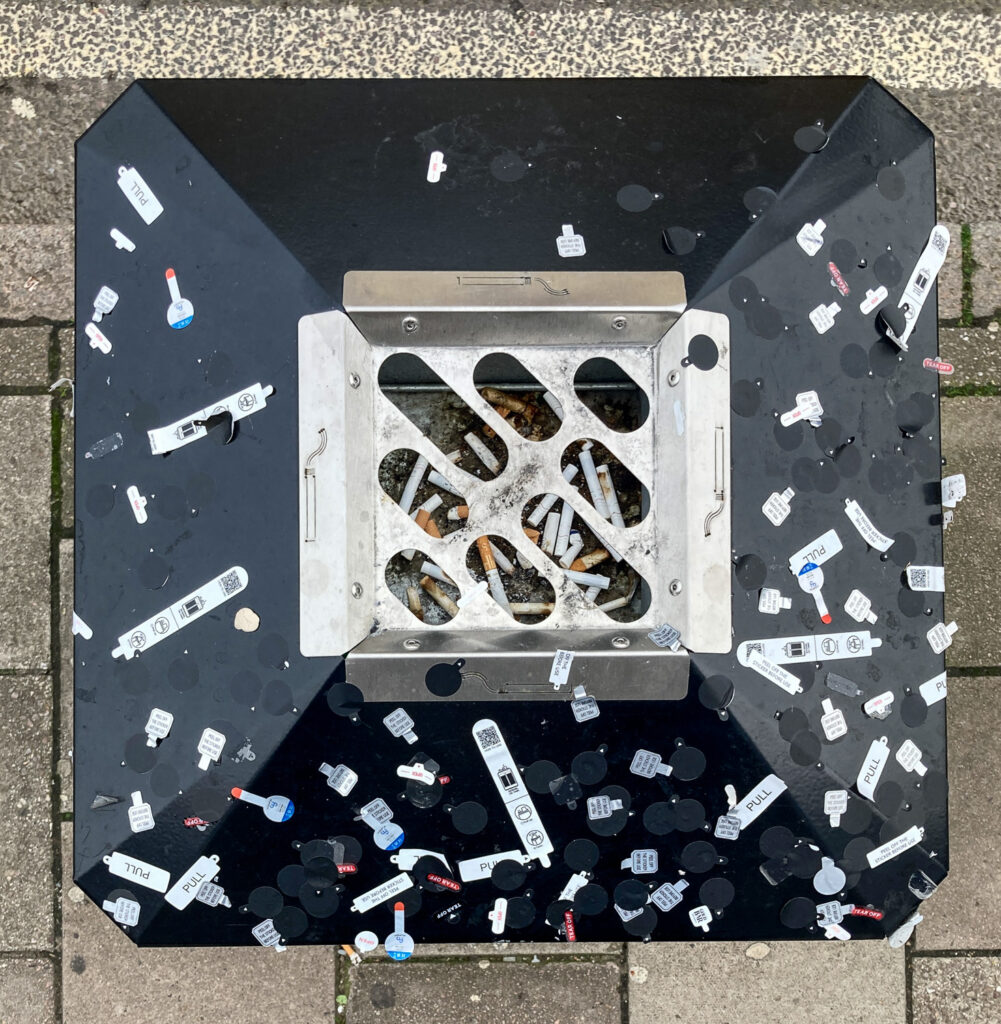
(444, 779)
(447, 883)
(569, 926)
(196, 822)
(876, 915)
(837, 280)
(938, 366)
(347, 869)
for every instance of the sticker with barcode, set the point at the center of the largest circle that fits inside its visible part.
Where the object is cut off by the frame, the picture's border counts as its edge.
(182, 432)
(926, 577)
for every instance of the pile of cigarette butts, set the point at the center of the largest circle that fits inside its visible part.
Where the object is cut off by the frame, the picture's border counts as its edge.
(551, 529)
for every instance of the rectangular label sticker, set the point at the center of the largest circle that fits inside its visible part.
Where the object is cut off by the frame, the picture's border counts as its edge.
(381, 893)
(934, 690)
(872, 768)
(477, 868)
(139, 194)
(560, 671)
(774, 673)
(177, 435)
(866, 530)
(764, 794)
(818, 551)
(790, 650)
(895, 846)
(138, 871)
(185, 889)
(926, 577)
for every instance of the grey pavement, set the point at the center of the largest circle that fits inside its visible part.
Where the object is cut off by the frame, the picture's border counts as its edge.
(949, 990)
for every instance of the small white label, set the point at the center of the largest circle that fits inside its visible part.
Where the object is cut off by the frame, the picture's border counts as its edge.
(376, 812)
(859, 607)
(399, 723)
(417, 772)
(940, 636)
(810, 237)
(122, 241)
(642, 862)
(771, 601)
(366, 941)
(104, 302)
(577, 882)
(727, 827)
(759, 800)
(701, 917)
(788, 650)
(137, 503)
(80, 628)
(559, 673)
(863, 524)
(776, 508)
(879, 706)
(872, 768)
(926, 577)
(185, 889)
(648, 764)
(895, 846)
(367, 900)
(818, 551)
(498, 916)
(829, 914)
(124, 911)
(835, 804)
(436, 166)
(584, 708)
(98, 339)
(340, 778)
(139, 194)
(873, 299)
(158, 726)
(833, 721)
(668, 895)
(822, 317)
(267, 935)
(808, 407)
(138, 871)
(602, 807)
(212, 895)
(140, 814)
(210, 746)
(774, 673)
(569, 244)
(666, 636)
(953, 490)
(909, 758)
(934, 690)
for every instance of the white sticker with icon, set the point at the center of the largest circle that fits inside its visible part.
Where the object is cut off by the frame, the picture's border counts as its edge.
(789, 650)
(569, 244)
(180, 312)
(934, 690)
(182, 432)
(140, 814)
(138, 871)
(864, 525)
(872, 768)
(276, 808)
(776, 507)
(139, 194)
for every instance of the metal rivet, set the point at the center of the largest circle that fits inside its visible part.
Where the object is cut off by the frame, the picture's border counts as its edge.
(619, 323)
(354, 380)
(356, 590)
(412, 644)
(675, 587)
(411, 325)
(620, 641)
(674, 378)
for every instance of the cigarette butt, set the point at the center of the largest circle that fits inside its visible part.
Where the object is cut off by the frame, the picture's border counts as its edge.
(554, 403)
(436, 479)
(592, 558)
(591, 594)
(532, 535)
(563, 531)
(532, 607)
(486, 555)
(459, 512)
(573, 550)
(503, 562)
(503, 413)
(413, 482)
(436, 573)
(550, 532)
(432, 529)
(611, 498)
(508, 402)
(548, 500)
(587, 579)
(427, 524)
(591, 476)
(610, 606)
(440, 598)
(482, 452)
(414, 602)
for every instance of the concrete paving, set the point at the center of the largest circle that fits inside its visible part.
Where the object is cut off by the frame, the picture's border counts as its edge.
(36, 271)
(986, 248)
(975, 352)
(64, 763)
(809, 983)
(957, 990)
(24, 354)
(26, 991)
(950, 277)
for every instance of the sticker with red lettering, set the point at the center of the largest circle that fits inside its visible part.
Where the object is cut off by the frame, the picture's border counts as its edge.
(876, 915)
(938, 366)
(837, 280)
(447, 883)
(569, 926)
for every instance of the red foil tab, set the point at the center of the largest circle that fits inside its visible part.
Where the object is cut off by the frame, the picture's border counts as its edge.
(195, 822)
(347, 869)
(444, 779)
(939, 366)
(876, 915)
(837, 279)
(568, 924)
(447, 883)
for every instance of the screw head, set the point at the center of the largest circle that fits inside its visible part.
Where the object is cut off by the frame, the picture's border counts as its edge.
(412, 644)
(356, 590)
(675, 587)
(411, 325)
(674, 378)
(619, 323)
(620, 642)
(354, 380)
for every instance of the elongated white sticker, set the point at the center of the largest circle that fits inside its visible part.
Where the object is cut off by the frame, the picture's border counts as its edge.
(577, 882)
(559, 673)
(764, 794)
(137, 502)
(196, 604)
(934, 690)
(919, 283)
(138, 871)
(185, 889)
(139, 194)
(866, 530)
(773, 673)
(872, 768)
(98, 339)
(191, 428)
(895, 847)
(512, 790)
(873, 298)
(926, 577)
(953, 490)
(790, 650)
(477, 868)
(498, 916)
(818, 551)
(367, 900)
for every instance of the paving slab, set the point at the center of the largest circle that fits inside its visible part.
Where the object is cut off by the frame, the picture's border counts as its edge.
(25, 794)
(26, 991)
(65, 739)
(485, 993)
(950, 277)
(963, 913)
(67, 440)
(576, 950)
(24, 531)
(36, 270)
(975, 352)
(105, 976)
(24, 354)
(40, 119)
(804, 982)
(970, 431)
(985, 241)
(956, 990)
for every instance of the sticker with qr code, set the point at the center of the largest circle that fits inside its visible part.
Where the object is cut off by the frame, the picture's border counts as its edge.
(926, 577)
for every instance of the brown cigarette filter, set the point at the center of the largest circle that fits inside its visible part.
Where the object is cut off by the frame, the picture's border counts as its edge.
(439, 596)
(486, 555)
(504, 400)
(414, 602)
(427, 524)
(592, 558)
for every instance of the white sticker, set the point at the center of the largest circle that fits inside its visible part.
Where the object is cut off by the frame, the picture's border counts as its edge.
(436, 166)
(601, 806)
(498, 916)
(873, 299)
(830, 914)
(642, 862)
(895, 846)
(584, 707)
(836, 931)
(366, 941)
(786, 650)
(835, 804)
(859, 607)
(940, 636)
(808, 407)
(776, 508)
(833, 720)
(880, 706)
(376, 812)
(909, 758)
(872, 768)
(124, 911)
(818, 551)
(210, 746)
(104, 302)
(727, 827)
(648, 764)
(139, 194)
(863, 524)
(811, 237)
(196, 604)
(666, 636)
(212, 895)
(771, 601)
(137, 502)
(276, 808)
(926, 577)
(98, 339)
(399, 723)
(185, 889)
(138, 871)
(80, 628)
(764, 794)
(478, 868)
(512, 790)
(701, 917)
(668, 895)
(773, 673)
(140, 814)
(919, 283)
(180, 312)
(830, 878)
(367, 900)
(267, 935)
(122, 241)
(191, 428)
(569, 244)
(559, 673)
(158, 726)
(953, 490)
(822, 317)
(416, 772)
(627, 915)
(577, 882)
(934, 690)
(340, 778)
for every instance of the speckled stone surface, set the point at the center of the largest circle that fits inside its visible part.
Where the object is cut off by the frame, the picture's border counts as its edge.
(956, 990)
(950, 48)
(64, 690)
(986, 246)
(26, 995)
(24, 355)
(36, 270)
(961, 915)
(950, 277)
(975, 352)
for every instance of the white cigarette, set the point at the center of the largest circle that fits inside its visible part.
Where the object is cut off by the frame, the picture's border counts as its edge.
(618, 602)
(523, 561)
(483, 453)
(608, 547)
(503, 562)
(549, 533)
(434, 477)
(532, 607)
(454, 457)
(432, 570)
(588, 579)
(439, 596)
(590, 560)
(591, 594)
(429, 506)
(554, 403)
(458, 512)
(548, 500)
(573, 549)
(563, 533)
(591, 476)
(611, 498)
(493, 576)
(413, 482)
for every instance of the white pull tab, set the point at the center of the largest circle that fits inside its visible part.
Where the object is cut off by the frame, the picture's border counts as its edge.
(498, 916)
(569, 244)
(121, 241)
(940, 636)
(872, 768)
(98, 339)
(879, 706)
(810, 237)
(835, 804)
(436, 166)
(139, 194)
(833, 721)
(137, 502)
(210, 746)
(873, 299)
(859, 607)
(399, 723)
(771, 601)
(776, 508)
